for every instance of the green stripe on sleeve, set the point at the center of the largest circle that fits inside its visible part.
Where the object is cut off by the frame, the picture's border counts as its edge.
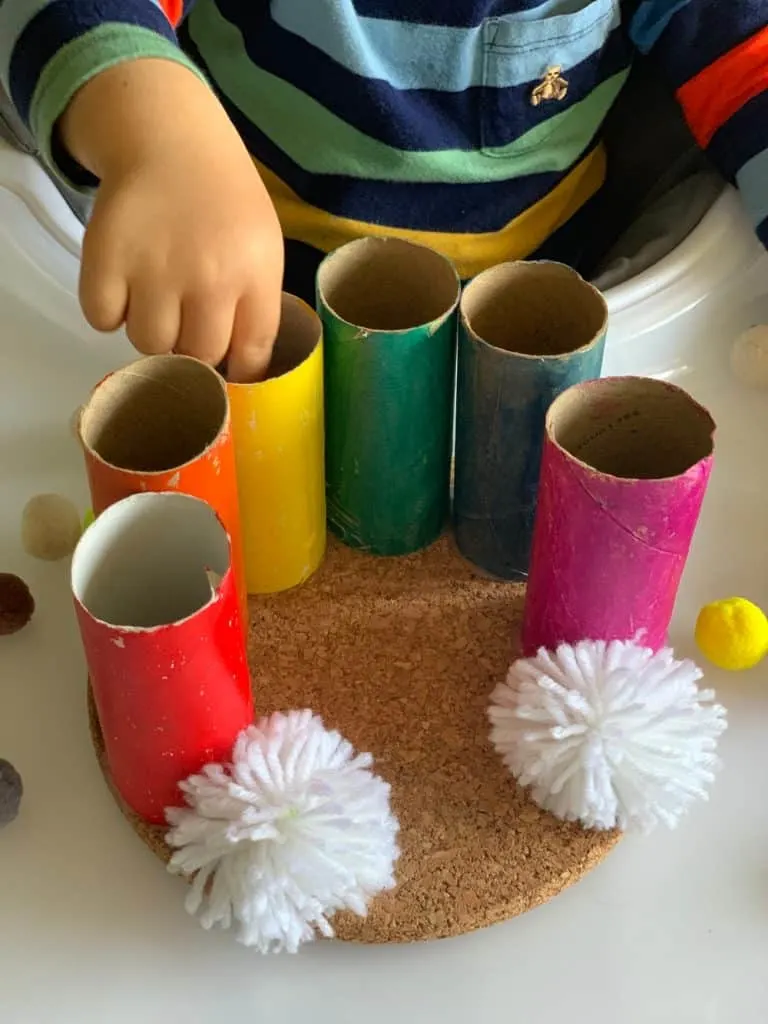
(322, 143)
(81, 60)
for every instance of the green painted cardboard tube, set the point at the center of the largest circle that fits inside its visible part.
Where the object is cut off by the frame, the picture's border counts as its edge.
(389, 320)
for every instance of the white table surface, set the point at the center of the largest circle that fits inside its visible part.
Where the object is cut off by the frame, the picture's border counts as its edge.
(671, 929)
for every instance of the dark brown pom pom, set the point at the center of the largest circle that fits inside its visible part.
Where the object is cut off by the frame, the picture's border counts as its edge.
(11, 791)
(16, 604)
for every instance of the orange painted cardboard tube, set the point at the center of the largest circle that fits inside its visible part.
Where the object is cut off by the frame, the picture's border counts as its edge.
(163, 424)
(277, 426)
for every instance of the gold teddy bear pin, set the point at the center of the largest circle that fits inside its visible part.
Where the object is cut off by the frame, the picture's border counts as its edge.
(552, 87)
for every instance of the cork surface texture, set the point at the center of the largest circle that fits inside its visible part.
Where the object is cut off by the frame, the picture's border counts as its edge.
(401, 655)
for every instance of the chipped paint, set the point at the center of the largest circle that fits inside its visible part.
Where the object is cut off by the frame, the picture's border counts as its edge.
(214, 580)
(171, 700)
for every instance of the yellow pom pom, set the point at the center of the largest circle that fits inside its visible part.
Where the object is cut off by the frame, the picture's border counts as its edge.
(88, 519)
(733, 633)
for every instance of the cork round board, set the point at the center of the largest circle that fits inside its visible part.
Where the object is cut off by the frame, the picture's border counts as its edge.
(401, 655)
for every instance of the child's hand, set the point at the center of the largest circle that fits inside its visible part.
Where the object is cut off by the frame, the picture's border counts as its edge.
(184, 246)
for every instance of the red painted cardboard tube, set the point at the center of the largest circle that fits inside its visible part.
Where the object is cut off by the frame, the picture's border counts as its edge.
(163, 424)
(624, 471)
(159, 616)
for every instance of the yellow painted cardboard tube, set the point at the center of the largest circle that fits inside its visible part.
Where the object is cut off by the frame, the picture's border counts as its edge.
(278, 434)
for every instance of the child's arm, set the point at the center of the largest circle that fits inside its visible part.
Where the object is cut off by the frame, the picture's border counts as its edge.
(183, 245)
(714, 53)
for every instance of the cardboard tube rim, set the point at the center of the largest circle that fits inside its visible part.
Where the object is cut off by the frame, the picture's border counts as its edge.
(552, 268)
(403, 244)
(695, 408)
(222, 429)
(317, 333)
(89, 538)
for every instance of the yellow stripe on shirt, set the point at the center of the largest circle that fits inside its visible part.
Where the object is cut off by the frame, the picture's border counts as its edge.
(470, 253)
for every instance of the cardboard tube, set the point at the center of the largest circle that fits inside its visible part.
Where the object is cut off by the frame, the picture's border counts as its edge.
(388, 312)
(527, 331)
(277, 426)
(624, 472)
(157, 607)
(163, 423)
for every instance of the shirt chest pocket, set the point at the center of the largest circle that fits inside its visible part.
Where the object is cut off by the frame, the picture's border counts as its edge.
(545, 74)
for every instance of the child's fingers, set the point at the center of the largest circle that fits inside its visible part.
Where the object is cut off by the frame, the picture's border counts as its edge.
(206, 328)
(255, 328)
(103, 297)
(103, 280)
(153, 320)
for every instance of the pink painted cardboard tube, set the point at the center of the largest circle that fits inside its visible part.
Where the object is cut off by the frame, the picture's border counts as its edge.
(624, 470)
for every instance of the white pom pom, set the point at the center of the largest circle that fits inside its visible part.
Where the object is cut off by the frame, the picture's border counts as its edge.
(608, 734)
(50, 527)
(296, 828)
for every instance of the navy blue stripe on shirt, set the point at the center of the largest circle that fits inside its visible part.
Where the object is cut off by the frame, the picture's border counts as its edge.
(698, 38)
(457, 13)
(741, 137)
(424, 119)
(416, 205)
(421, 206)
(301, 265)
(58, 24)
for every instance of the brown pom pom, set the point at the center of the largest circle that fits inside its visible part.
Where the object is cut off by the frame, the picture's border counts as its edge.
(16, 604)
(11, 792)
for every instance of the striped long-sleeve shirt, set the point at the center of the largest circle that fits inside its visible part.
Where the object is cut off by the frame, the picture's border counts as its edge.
(472, 126)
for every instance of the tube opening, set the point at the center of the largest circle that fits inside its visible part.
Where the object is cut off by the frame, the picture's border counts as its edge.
(297, 338)
(155, 415)
(534, 309)
(146, 560)
(385, 284)
(634, 428)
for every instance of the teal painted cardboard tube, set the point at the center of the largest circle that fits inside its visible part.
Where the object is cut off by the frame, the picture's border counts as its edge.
(527, 332)
(388, 309)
